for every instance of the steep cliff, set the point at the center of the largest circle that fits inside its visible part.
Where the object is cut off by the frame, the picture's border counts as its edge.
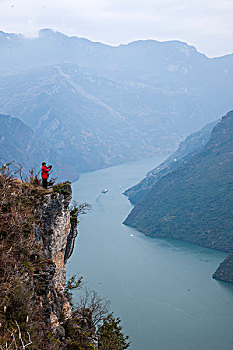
(37, 237)
(52, 228)
(37, 233)
(194, 202)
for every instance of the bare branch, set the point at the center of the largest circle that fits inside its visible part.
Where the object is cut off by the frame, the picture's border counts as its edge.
(98, 306)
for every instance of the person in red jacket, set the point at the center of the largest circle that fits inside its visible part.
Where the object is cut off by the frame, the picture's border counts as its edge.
(45, 174)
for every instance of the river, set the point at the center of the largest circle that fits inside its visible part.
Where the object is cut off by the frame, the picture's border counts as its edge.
(162, 290)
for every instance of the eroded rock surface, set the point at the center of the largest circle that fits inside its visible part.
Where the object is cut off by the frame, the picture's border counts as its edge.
(52, 230)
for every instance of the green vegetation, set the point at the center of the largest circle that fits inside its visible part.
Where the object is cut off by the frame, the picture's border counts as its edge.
(78, 209)
(61, 188)
(111, 336)
(92, 323)
(72, 284)
(225, 270)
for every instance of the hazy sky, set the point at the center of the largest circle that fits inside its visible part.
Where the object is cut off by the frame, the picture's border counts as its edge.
(206, 24)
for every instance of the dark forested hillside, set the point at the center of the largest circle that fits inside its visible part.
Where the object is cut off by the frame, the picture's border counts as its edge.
(194, 203)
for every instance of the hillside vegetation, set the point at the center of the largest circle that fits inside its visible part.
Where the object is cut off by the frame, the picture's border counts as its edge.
(194, 202)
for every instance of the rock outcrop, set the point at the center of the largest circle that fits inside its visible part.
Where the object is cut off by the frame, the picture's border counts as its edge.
(55, 231)
(51, 233)
(37, 233)
(70, 241)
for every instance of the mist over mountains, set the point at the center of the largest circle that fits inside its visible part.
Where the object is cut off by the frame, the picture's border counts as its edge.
(97, 105)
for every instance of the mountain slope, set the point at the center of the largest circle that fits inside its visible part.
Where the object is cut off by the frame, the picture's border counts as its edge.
(76, 113)
(194, 203)
(19, 143)
(186, 150)
(98, 105)
(167, 71)
(225, 270)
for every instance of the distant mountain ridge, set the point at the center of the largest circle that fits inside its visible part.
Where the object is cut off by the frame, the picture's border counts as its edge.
(50, 46)
(194, 202)
(98, 105)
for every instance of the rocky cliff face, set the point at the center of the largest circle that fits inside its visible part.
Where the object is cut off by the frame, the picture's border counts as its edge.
(55, 233)
(37, 233)
(51, 233)
(37, 237)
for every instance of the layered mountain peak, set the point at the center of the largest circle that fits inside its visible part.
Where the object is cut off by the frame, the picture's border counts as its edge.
(114, 104)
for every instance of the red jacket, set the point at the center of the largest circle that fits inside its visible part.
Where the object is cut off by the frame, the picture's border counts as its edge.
(45, 171)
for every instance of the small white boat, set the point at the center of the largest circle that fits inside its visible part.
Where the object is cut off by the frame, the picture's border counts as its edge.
(104, 191)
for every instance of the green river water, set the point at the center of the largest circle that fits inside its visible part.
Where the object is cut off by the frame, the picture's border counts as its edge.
(161, 289)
